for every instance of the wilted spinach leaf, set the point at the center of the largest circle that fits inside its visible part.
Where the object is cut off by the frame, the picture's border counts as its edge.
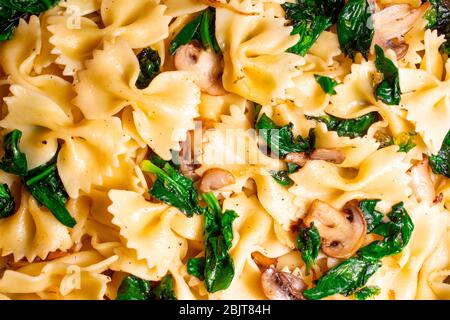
(219, 266)
(13, 161)
(281, 139)
(202, 29)
(405, 141)
(282, 177)
(373, 217)
(387, 90)
(439, 19)
(172, 187)
(367, 292)
(150, 64)
(308, 242)
(349, 127)
(196, 267)
(440, 163)
(7, 203)
(134, 288)
(326, 83)
(355, 28)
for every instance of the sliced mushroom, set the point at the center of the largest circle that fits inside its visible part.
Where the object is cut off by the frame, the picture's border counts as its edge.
(279, 285)
(299, 158)
(342, 232)
(216, 178)
(262, 261)
(330, 155)
(421, 181)
(392, 23)
(205, 64)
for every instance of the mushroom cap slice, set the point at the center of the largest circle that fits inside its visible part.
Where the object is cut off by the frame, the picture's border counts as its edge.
(216, 178)
(342, 232)
(421, 181)
(279, 285)
(205, 64)
(330, 155)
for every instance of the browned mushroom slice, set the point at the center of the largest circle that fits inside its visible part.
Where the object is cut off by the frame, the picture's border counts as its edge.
(342, 233)
(330, 155)
(279, 285)
(299, 158)
(262, 261)
(205, 64)
(421, 181)
(392, 23)
(216, 178)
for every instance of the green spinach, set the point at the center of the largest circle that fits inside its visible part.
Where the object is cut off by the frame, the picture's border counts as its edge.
(172, 187)
(282, 177)
(150, 65)
(7, 203)
(439, 19)
(387, 90)
(373, 217)
(201, 29)
(134, 288)
(367, 292)
(405, 141)
(281, 139)
(354, 28)
(440, 163)
(13, 161)
(326, 83)
(308, 242)
(196, 267)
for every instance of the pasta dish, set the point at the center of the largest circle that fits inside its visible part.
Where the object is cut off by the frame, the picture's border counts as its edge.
(225, 149)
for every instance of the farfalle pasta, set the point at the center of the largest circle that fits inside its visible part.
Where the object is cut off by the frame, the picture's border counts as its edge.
(224, 150)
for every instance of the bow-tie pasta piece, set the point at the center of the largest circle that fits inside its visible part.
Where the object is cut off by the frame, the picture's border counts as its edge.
(90, 148)
(75, 277)
(243, 6)
(140, 23)
(147, 228)
(81, 7)
(161, 117)
(256, 64)
(32, 231)
(176, 8)
(20, 55)
(433, 61)
(399, 276)
(382, 175)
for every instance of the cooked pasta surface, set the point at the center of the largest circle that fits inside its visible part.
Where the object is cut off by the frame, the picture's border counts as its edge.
(195, 149)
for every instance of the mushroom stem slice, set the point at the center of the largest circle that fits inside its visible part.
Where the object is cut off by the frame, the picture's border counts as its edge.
(216, 178)
(299, 158)
(342, 232)
(422, 184)
(206, 65)
(279, 285)
(262, 261)
(331, 155)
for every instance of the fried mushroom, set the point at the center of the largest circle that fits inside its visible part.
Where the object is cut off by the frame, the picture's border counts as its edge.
(279, 285)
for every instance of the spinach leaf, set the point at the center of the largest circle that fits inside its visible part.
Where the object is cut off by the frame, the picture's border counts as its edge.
(440, 163)
(201, 29)
(256, 111)
(219, 266)
(134, 288)
(150, 64)
(281, 139)
(46, 187)
(373, 217)
(282, 177)
(13, 161)
(29, 6)
(352, 274)
(351, 128)
(367, 292)
(164, 290)
(405, 141)
(309, 19)
(196, 267)
(439, 19)
(7, 203)
(388, 90)
(12, 10)
(397, 233)
(345, 278)
(308, 242)
(326, 83)
(172, 187)
(354, 28)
